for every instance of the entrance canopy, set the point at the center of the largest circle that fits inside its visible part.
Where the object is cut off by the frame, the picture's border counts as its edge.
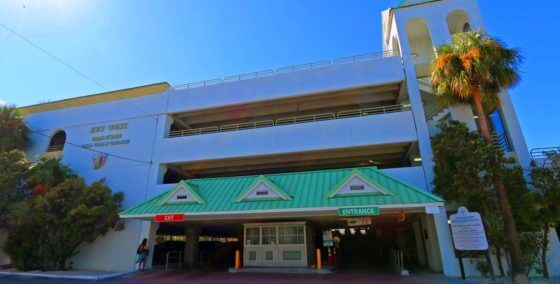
(298, 194)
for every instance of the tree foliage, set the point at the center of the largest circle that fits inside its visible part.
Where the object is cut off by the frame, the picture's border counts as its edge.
(13, 130)
(546, 182)
(51, 227)
(14, 169)
(461, 159)
(474, 68)
(46, 174)
(465, 176)
(474, 60)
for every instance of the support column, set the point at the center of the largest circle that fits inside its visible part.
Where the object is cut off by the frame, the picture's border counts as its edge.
(191, 245)
(310, 242)
(148, 231)
(419, 241)
(415, 98)
(553, 253)
(444, 242)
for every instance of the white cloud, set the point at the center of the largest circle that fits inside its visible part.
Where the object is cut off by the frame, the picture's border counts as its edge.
(3, 102)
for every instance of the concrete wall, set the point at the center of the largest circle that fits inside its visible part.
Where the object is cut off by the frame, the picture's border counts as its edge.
(338, 77)
(411, 175)
(127, 171)
(330, 134)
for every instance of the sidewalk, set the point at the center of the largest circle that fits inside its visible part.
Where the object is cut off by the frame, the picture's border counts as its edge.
(64, 274)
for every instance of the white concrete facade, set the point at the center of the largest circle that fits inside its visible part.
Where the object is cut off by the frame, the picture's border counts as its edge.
(142, 150)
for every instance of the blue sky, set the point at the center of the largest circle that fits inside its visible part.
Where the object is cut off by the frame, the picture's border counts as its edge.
(128, 43)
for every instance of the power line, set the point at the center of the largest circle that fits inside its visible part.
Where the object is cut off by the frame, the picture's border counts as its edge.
(53, 56)
(97, 151)
(66, 64)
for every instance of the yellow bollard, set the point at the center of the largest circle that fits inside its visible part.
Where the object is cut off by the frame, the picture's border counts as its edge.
(237, 260)
(319, 266)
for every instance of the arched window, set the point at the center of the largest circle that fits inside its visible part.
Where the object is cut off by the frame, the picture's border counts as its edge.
(57, 141)
(421, 46)
(458, 22)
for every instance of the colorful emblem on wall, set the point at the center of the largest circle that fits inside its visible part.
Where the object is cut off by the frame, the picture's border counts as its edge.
(99, 160)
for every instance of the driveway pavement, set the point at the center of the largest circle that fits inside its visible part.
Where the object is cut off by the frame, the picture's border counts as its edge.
(213, 276)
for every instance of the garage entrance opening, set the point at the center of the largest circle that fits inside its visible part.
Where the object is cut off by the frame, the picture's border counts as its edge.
(169, 239)
(215, 245)
(373, 247)
(216, 248)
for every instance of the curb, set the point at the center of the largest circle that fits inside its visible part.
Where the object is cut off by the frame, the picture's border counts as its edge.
(59, 276)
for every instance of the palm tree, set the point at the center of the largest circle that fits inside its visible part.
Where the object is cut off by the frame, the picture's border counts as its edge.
(474, 68)
(49, 172)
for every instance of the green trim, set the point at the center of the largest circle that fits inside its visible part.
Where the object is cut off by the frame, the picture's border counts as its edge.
(283, 195)
(358, 194)
(190, 188)
(261, 199)
(355, 172)
(180, 203)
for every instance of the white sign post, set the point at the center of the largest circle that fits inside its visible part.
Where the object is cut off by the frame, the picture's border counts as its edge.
(468, 234)
(468, 230)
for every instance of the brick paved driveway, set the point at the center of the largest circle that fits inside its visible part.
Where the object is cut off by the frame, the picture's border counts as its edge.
(342, 277)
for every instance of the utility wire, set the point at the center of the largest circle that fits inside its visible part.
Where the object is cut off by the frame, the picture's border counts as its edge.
(97, 151)
(84, 76)
(53, 56)
(65, 64)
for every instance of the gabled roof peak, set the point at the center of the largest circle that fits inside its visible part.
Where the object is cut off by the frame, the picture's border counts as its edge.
(262, 189)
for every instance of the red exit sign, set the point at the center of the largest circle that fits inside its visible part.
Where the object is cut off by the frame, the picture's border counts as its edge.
(160, 218)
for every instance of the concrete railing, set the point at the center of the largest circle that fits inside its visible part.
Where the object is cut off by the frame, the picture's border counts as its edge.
(289, 69)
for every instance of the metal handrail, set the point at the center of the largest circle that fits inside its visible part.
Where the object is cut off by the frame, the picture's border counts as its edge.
(372, 111)
(190, 132)
(396, 260)
(199, 84)
(365, 57)
(55, 148)
(305, 118)
(247, 125)
(174, 255)
(252, 75)
(306, 66)
(291, 120)
(539, 153)
(288, 69)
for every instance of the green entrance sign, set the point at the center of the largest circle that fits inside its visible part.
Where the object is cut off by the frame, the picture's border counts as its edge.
(358, 211)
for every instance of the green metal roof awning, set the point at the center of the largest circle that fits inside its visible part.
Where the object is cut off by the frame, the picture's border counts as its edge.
(305, 192)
